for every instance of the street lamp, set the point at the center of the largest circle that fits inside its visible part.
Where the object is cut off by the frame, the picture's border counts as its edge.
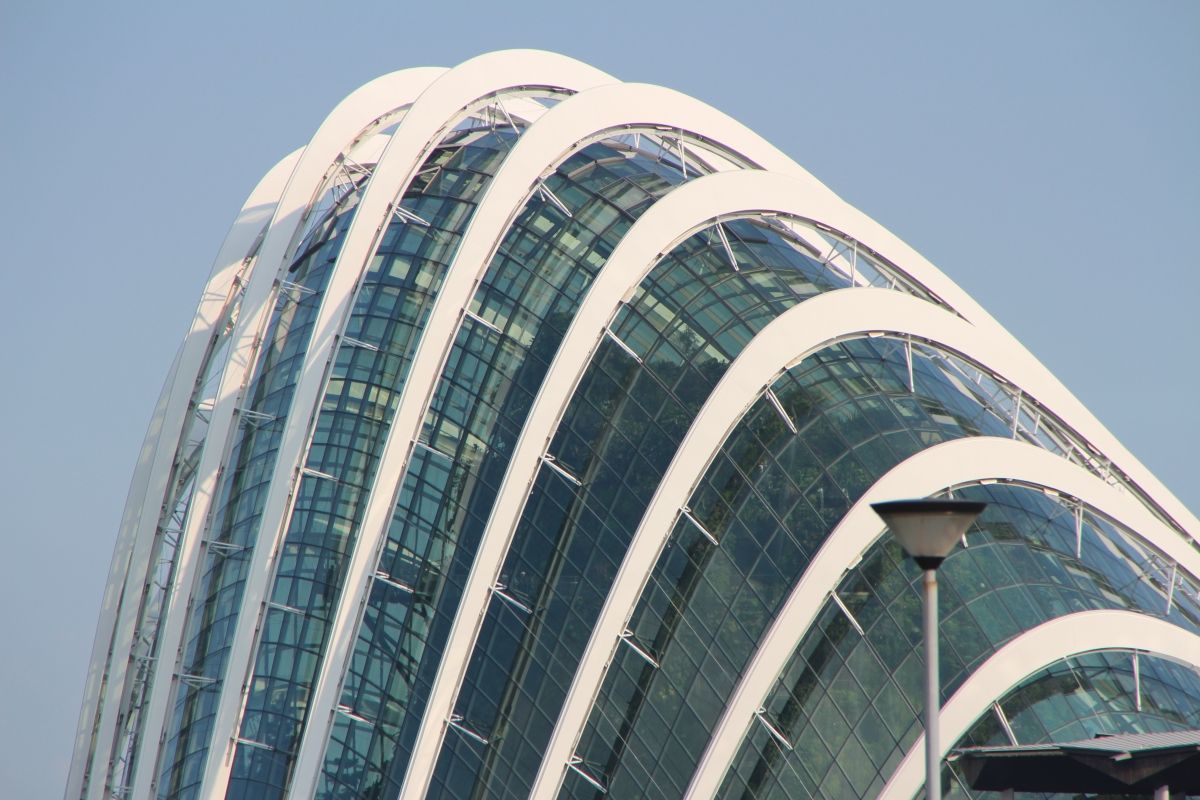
(928, 531)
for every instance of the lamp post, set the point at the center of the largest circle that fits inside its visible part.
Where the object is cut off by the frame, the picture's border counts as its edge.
(928, 531)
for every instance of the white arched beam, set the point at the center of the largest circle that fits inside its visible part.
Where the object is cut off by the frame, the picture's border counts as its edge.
(799, 332)
(139, 525)
(835, 213)
(820, 205)
(830, 210)
(953, 463)
(1028, 654)
(444, 104)
(337, 133)
(584, 118)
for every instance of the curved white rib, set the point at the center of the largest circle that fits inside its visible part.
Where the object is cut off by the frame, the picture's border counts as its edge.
(816, 202)
(953, 463)
(662, 226)
(431, 117)
(848, 220)
(1030, 653)
(574, 122)
(827, 208)
(797, 333)
(130, 563)
(811, 200)
(338, 132)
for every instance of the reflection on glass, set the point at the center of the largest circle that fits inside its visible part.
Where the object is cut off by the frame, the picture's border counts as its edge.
(844, 691)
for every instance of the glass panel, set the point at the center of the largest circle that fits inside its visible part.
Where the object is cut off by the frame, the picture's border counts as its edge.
(770, 497)
(1019, 570)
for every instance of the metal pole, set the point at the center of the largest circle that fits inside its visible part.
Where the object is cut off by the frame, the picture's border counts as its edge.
(933, 772)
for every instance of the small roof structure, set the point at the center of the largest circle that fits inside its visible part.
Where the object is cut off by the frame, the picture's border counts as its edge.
(1136, 763)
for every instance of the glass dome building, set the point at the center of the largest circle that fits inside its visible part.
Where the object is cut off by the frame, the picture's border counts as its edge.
(523, 446)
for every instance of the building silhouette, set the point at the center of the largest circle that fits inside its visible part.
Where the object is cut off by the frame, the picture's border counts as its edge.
(523, 445)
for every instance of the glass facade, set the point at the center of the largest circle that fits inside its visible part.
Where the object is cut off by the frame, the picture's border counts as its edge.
(843, 711)
(173, 518)
(767, 502)
(848, 704)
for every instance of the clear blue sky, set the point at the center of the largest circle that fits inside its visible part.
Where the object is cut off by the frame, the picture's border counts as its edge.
(1043, 154)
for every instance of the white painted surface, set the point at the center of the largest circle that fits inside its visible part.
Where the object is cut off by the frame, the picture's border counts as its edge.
(986, 342)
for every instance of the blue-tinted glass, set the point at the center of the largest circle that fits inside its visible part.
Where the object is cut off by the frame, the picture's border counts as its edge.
(770, 497)
(617, 436)
(1020, 570)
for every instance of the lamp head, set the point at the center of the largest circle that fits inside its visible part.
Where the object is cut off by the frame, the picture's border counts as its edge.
(928, 529)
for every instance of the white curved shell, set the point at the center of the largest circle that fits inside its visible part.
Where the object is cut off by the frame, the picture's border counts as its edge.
(557, 109)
